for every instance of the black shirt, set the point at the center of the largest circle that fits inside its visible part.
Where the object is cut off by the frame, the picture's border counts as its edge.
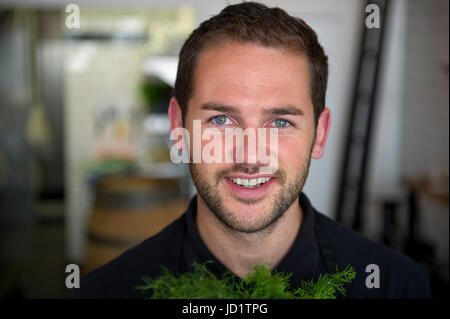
(321, 245)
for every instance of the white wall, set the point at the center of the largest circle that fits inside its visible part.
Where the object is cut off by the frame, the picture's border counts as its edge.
(384, 163)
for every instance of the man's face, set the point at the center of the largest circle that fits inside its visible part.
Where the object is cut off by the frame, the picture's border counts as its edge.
(261, 88)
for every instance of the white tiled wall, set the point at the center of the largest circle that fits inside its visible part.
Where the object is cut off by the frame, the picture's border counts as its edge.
(425, 140)
(426, 104)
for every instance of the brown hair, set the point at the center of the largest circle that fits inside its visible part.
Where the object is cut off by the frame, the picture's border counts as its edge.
(255, 23)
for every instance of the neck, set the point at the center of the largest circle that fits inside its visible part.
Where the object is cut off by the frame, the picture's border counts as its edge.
(238, 251)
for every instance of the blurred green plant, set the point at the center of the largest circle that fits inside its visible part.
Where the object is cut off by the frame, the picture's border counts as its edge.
(156, 94)
(260, 283)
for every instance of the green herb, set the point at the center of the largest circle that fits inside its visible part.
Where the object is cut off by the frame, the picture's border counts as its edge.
(260, 283)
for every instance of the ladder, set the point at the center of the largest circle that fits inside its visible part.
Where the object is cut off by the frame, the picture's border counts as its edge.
(352, 182)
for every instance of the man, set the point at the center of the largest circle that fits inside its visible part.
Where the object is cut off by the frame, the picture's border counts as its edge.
(255, 67)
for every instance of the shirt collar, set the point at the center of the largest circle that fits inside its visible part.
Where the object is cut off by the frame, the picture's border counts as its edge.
(303, 259)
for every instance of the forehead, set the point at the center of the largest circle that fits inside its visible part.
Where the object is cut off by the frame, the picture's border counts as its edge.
(245, 74)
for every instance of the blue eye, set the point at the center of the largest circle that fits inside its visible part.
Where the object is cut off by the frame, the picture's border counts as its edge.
(280, 123)
(220, 120)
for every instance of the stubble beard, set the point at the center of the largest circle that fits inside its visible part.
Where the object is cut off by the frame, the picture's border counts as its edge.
(286, 196)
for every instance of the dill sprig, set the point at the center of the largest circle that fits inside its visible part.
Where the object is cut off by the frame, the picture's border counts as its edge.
(260, 283)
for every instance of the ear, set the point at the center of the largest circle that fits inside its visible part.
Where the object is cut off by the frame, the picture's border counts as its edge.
(175, 118)
(323, 127)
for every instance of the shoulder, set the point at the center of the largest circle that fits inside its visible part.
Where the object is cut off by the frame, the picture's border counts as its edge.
(399, 276)
(119, 277)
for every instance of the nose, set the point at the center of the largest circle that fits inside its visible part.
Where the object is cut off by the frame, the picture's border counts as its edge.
(251, 157)
(247, 146)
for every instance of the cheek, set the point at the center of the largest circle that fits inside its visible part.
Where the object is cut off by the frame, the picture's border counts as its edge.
(293, 151)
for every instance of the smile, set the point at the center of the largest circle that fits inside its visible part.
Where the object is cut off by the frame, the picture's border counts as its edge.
(250, 182)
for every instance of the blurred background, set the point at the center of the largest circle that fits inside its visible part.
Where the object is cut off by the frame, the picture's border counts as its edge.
(85, 171)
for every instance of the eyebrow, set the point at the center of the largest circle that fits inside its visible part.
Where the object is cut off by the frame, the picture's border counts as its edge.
(221, 108)
(283, 110)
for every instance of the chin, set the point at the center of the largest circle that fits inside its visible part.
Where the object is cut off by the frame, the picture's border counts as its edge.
(245, 210)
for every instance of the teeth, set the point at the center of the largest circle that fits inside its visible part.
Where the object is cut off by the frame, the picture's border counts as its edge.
(250, 183)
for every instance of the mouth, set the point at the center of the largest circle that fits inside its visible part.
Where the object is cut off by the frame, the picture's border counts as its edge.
(249, 187)
(250, 182)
